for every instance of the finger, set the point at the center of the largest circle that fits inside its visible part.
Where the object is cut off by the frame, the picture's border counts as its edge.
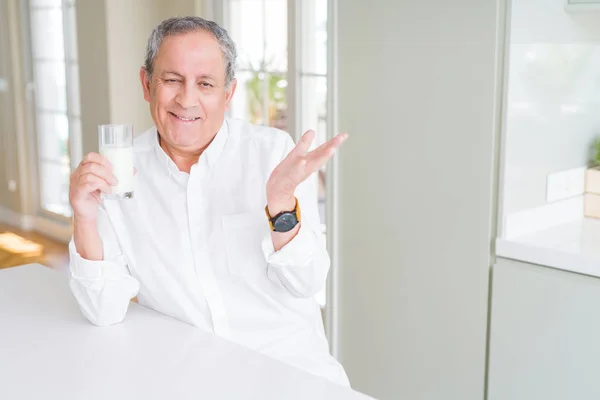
(96, 196)
(304, 143)
(94, 188)
(91, 182)
(100, 171)
(96, 158)
(327, 150)
(84, 168)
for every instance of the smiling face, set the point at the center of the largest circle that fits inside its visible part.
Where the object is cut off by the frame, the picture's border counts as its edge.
(187, 94)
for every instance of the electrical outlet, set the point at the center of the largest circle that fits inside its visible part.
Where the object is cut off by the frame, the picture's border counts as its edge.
(565, 184)
(12, 185)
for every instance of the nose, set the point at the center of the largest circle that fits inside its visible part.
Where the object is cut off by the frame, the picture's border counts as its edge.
(188, 97)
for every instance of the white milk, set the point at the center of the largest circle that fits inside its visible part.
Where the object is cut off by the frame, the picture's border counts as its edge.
(121, 159)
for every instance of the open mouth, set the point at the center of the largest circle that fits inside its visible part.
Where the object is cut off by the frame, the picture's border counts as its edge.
(185, 119)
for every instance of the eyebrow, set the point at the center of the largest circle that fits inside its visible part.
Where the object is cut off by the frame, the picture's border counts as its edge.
(172, 73)
(203, 76)
(209, 77)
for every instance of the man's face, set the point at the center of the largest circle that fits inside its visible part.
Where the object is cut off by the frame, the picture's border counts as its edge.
(187, 94)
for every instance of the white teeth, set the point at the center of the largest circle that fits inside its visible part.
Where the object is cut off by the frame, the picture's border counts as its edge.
(186, 119)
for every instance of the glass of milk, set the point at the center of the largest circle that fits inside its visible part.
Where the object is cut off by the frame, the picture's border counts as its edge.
(116, 144)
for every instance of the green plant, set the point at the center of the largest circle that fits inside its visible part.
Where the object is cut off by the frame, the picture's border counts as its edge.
(275, 94)
(265, 90)
(596, 156)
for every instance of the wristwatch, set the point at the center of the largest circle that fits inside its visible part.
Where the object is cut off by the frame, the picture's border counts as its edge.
(285, 221)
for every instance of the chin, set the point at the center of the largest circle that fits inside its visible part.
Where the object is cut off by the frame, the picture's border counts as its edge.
(182, 139)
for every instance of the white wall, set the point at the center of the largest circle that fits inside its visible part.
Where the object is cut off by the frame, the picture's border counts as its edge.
(417, 94)
(181, 8)
(553, 97)
(94, 83)
(8, 157)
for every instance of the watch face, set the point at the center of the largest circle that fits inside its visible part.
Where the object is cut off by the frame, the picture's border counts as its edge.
(285, 222)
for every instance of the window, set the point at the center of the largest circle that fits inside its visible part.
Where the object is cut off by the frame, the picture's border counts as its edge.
(282, 69)
(262, 60)
(55, 83)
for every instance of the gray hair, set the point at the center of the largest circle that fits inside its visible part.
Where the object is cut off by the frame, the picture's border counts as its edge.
(181, 25)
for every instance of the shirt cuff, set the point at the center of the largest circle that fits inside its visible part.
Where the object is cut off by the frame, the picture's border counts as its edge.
(298, 252)
(114, 269)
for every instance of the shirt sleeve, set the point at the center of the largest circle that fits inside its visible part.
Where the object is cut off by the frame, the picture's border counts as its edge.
(103, 289)
(301, 266)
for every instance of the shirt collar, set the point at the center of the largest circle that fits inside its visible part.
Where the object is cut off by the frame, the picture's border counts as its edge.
(214, 150)
(211, 154)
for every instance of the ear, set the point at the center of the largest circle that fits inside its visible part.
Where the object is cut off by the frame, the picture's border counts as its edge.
(145, 83)
(229, 93)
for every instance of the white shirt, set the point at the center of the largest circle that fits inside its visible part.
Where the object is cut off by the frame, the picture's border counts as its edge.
(198, 247)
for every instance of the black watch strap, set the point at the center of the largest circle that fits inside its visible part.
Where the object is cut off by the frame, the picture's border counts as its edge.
(285, 221)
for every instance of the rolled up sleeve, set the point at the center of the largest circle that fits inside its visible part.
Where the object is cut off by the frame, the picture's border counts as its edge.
(103, 289)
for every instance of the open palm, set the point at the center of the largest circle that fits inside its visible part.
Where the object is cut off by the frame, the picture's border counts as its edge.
(300, 164)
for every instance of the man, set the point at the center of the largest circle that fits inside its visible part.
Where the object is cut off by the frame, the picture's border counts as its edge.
(223, 229)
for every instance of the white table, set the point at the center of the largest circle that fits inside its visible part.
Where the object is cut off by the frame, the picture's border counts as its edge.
(49, 351)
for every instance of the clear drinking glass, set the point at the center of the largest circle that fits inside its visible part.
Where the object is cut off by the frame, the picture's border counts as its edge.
(116, 144)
